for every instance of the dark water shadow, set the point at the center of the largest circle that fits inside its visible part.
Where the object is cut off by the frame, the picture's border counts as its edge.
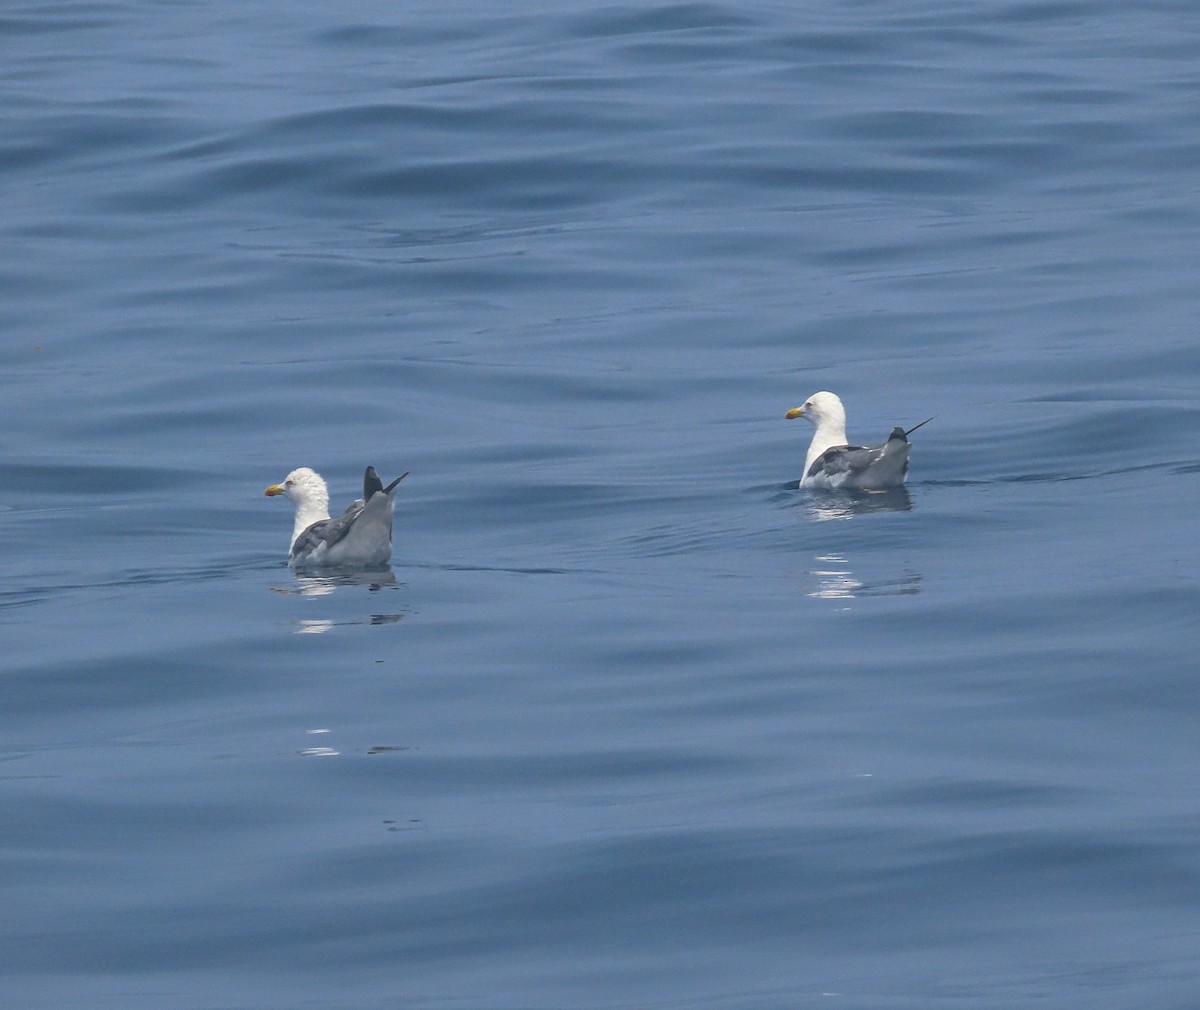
(1175, 467)
(22, 596)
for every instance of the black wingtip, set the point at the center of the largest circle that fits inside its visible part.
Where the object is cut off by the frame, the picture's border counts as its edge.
(916, 426)
(371, 483)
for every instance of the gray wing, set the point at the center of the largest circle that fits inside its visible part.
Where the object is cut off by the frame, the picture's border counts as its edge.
(326, 531)
(846, 459)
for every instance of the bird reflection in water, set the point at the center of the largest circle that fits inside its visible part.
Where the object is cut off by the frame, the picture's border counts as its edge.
(325, 585)
(827, 506)
(835, 580)
(313, 586)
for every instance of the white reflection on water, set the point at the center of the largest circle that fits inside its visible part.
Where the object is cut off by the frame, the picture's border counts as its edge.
(318, 626)
(835, 581)
(318, 751)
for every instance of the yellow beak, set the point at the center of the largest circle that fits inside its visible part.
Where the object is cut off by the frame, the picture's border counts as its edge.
(794, 413)
(273, 490)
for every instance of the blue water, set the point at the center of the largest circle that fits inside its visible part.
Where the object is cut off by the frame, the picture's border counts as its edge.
(633, 722)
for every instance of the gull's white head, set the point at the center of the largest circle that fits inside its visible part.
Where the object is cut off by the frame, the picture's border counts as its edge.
(824, 409)
(304, 487)
(307, 491)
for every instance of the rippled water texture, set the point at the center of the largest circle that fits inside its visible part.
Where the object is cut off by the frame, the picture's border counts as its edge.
(632, 721)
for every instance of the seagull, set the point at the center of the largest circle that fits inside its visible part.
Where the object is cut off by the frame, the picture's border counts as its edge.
(361, 537)
(832, 463)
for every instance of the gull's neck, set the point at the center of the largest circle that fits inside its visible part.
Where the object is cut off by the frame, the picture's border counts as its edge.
(830, 432)
(312, 509)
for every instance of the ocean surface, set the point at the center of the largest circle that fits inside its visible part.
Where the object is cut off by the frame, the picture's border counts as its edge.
(632, 722)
